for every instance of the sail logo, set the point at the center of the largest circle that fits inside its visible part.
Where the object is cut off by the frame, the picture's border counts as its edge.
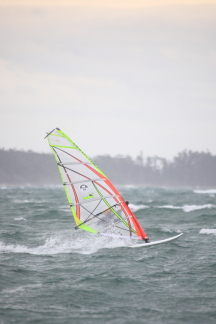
(83, 187)
(89, 197)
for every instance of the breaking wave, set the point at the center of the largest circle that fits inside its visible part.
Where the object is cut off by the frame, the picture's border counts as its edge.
(134, 208)
(188, 208)
(83, 244)
(168, 230)
(209, 191)
(208, 231)
(26, 201)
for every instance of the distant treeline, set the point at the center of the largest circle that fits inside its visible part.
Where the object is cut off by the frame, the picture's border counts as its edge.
(21, 168)
(186, 169)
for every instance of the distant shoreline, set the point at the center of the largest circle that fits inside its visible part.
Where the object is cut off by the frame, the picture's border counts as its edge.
(187, 170)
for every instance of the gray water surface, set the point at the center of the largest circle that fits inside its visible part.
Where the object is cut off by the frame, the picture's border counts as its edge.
(52, 273)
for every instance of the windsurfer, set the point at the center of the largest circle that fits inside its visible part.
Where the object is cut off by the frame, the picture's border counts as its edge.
(104, 217)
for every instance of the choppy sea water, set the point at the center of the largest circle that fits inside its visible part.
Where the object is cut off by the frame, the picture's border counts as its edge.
(51, 273)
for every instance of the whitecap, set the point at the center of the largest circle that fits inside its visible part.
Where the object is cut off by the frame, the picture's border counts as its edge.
(208, 191)
(188, 208)
(64, 208)
(20, 288)
(135, 208)
(168, 230)
(19, 218)
(64, 243)
(169, 207)
(19, 201)
(208, 231)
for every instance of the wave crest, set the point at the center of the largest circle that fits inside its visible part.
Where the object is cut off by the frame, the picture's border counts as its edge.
(84, 244)
(208, 231)
(208, 191)
(188, 208)
(135, 208)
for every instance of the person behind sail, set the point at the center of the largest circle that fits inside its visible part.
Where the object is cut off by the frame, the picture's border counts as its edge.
(106, 217)
(109, 217)
(112, 217)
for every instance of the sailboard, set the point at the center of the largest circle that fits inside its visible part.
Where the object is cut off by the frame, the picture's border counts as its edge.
(95, 203)
(158, 242)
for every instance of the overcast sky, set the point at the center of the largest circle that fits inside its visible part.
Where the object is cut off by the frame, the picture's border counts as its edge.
(118, 77)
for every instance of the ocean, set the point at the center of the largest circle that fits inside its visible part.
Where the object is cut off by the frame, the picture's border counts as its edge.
(52, 273)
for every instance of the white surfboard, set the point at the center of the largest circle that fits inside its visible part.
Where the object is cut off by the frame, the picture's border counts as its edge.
(157, 242)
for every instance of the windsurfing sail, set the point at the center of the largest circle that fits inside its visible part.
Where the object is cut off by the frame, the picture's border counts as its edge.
(95, 203)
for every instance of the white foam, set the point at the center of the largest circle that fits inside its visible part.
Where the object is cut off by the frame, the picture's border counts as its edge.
(169, 207)
(188, 208)
(19, 218)
(65, 243)
(19, 201)
(134, 208)
(168, 230)
(64, 208)
(209, 191)
(20, 289)
(208, 231)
